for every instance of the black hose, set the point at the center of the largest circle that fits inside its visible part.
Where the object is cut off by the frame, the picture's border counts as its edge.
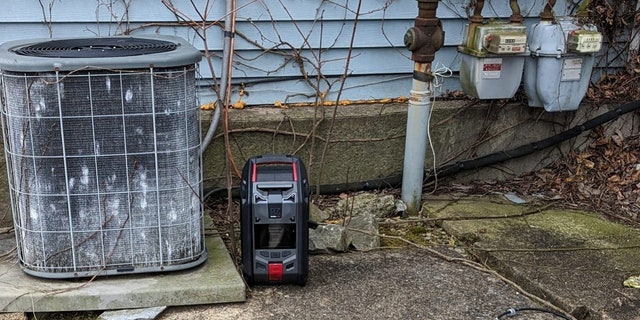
(538, 145)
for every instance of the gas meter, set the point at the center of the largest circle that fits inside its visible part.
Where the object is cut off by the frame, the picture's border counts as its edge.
(558, 71)
(275, 220)
(492, 59)
(584, 41)
(507, 42)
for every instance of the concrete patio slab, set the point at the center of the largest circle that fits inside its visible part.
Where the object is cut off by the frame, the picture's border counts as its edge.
(215, 281)
(576, 260)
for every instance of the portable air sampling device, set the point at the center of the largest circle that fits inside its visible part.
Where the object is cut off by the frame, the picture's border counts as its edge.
(275, 220)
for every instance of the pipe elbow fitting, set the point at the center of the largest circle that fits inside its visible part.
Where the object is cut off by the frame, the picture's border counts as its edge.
(424, 39)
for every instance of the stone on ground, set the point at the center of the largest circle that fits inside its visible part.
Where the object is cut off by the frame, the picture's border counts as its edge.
(133, 314)
(366, 203)
(363, 230)
(327, 238)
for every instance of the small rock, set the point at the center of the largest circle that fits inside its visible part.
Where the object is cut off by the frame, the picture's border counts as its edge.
(632, 282)
(132, 314)
(327, 238)
(400, 206)
(514, 198)
(366, 203)
(363, 230)
(317, 215)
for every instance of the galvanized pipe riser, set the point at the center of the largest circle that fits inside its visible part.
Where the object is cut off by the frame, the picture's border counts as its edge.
(547, 12)
(415, 145)
(423, 40)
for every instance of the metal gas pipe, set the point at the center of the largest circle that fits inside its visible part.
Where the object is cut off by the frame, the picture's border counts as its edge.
(423, 40)
(547, 12)
(516, 16)
(474, 21)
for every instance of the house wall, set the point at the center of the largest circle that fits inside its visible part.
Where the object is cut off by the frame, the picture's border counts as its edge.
(277, 41)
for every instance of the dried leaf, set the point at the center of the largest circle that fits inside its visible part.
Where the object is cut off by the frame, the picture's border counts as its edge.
(617, 138)
(208, 106)
(588, 163)
(239, 104)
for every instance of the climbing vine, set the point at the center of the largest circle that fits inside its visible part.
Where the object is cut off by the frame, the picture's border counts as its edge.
(619, 22)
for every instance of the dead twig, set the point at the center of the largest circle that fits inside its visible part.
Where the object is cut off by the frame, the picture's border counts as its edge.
(469, 263)
(8, 254)
(564, 249)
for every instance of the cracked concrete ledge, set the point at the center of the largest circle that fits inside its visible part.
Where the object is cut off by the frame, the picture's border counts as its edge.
(573, 259)
(215, 281)
(366, 142)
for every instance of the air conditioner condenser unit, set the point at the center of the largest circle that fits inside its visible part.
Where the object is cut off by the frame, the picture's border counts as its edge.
(102, 146)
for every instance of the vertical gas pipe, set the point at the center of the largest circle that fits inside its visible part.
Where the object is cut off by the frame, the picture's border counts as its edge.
(423, 40)
(516, 16)
(474, 21)
(547, 12)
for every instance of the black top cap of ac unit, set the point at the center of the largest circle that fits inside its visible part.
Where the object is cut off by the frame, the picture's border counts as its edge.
(95, 48)
(123, 52)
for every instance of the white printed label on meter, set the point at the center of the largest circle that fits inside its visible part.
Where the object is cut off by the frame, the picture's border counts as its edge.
(572, 70)
(491, 68)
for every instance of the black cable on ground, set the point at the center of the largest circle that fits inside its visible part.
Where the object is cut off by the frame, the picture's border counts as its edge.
(395, 180)
(512, 312)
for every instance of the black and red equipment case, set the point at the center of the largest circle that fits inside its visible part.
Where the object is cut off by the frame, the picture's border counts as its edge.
(274, 220)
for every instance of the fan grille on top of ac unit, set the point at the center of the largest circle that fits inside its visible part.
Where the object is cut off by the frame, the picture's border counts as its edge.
(96, 48)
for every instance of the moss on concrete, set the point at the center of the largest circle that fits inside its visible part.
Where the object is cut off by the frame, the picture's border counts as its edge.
(576, 260)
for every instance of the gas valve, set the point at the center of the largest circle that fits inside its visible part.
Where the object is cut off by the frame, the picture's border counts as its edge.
(424, 39)
(414, 39)
(426, 36)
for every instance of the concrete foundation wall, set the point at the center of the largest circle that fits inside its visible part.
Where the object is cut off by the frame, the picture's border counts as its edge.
(367, 142)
